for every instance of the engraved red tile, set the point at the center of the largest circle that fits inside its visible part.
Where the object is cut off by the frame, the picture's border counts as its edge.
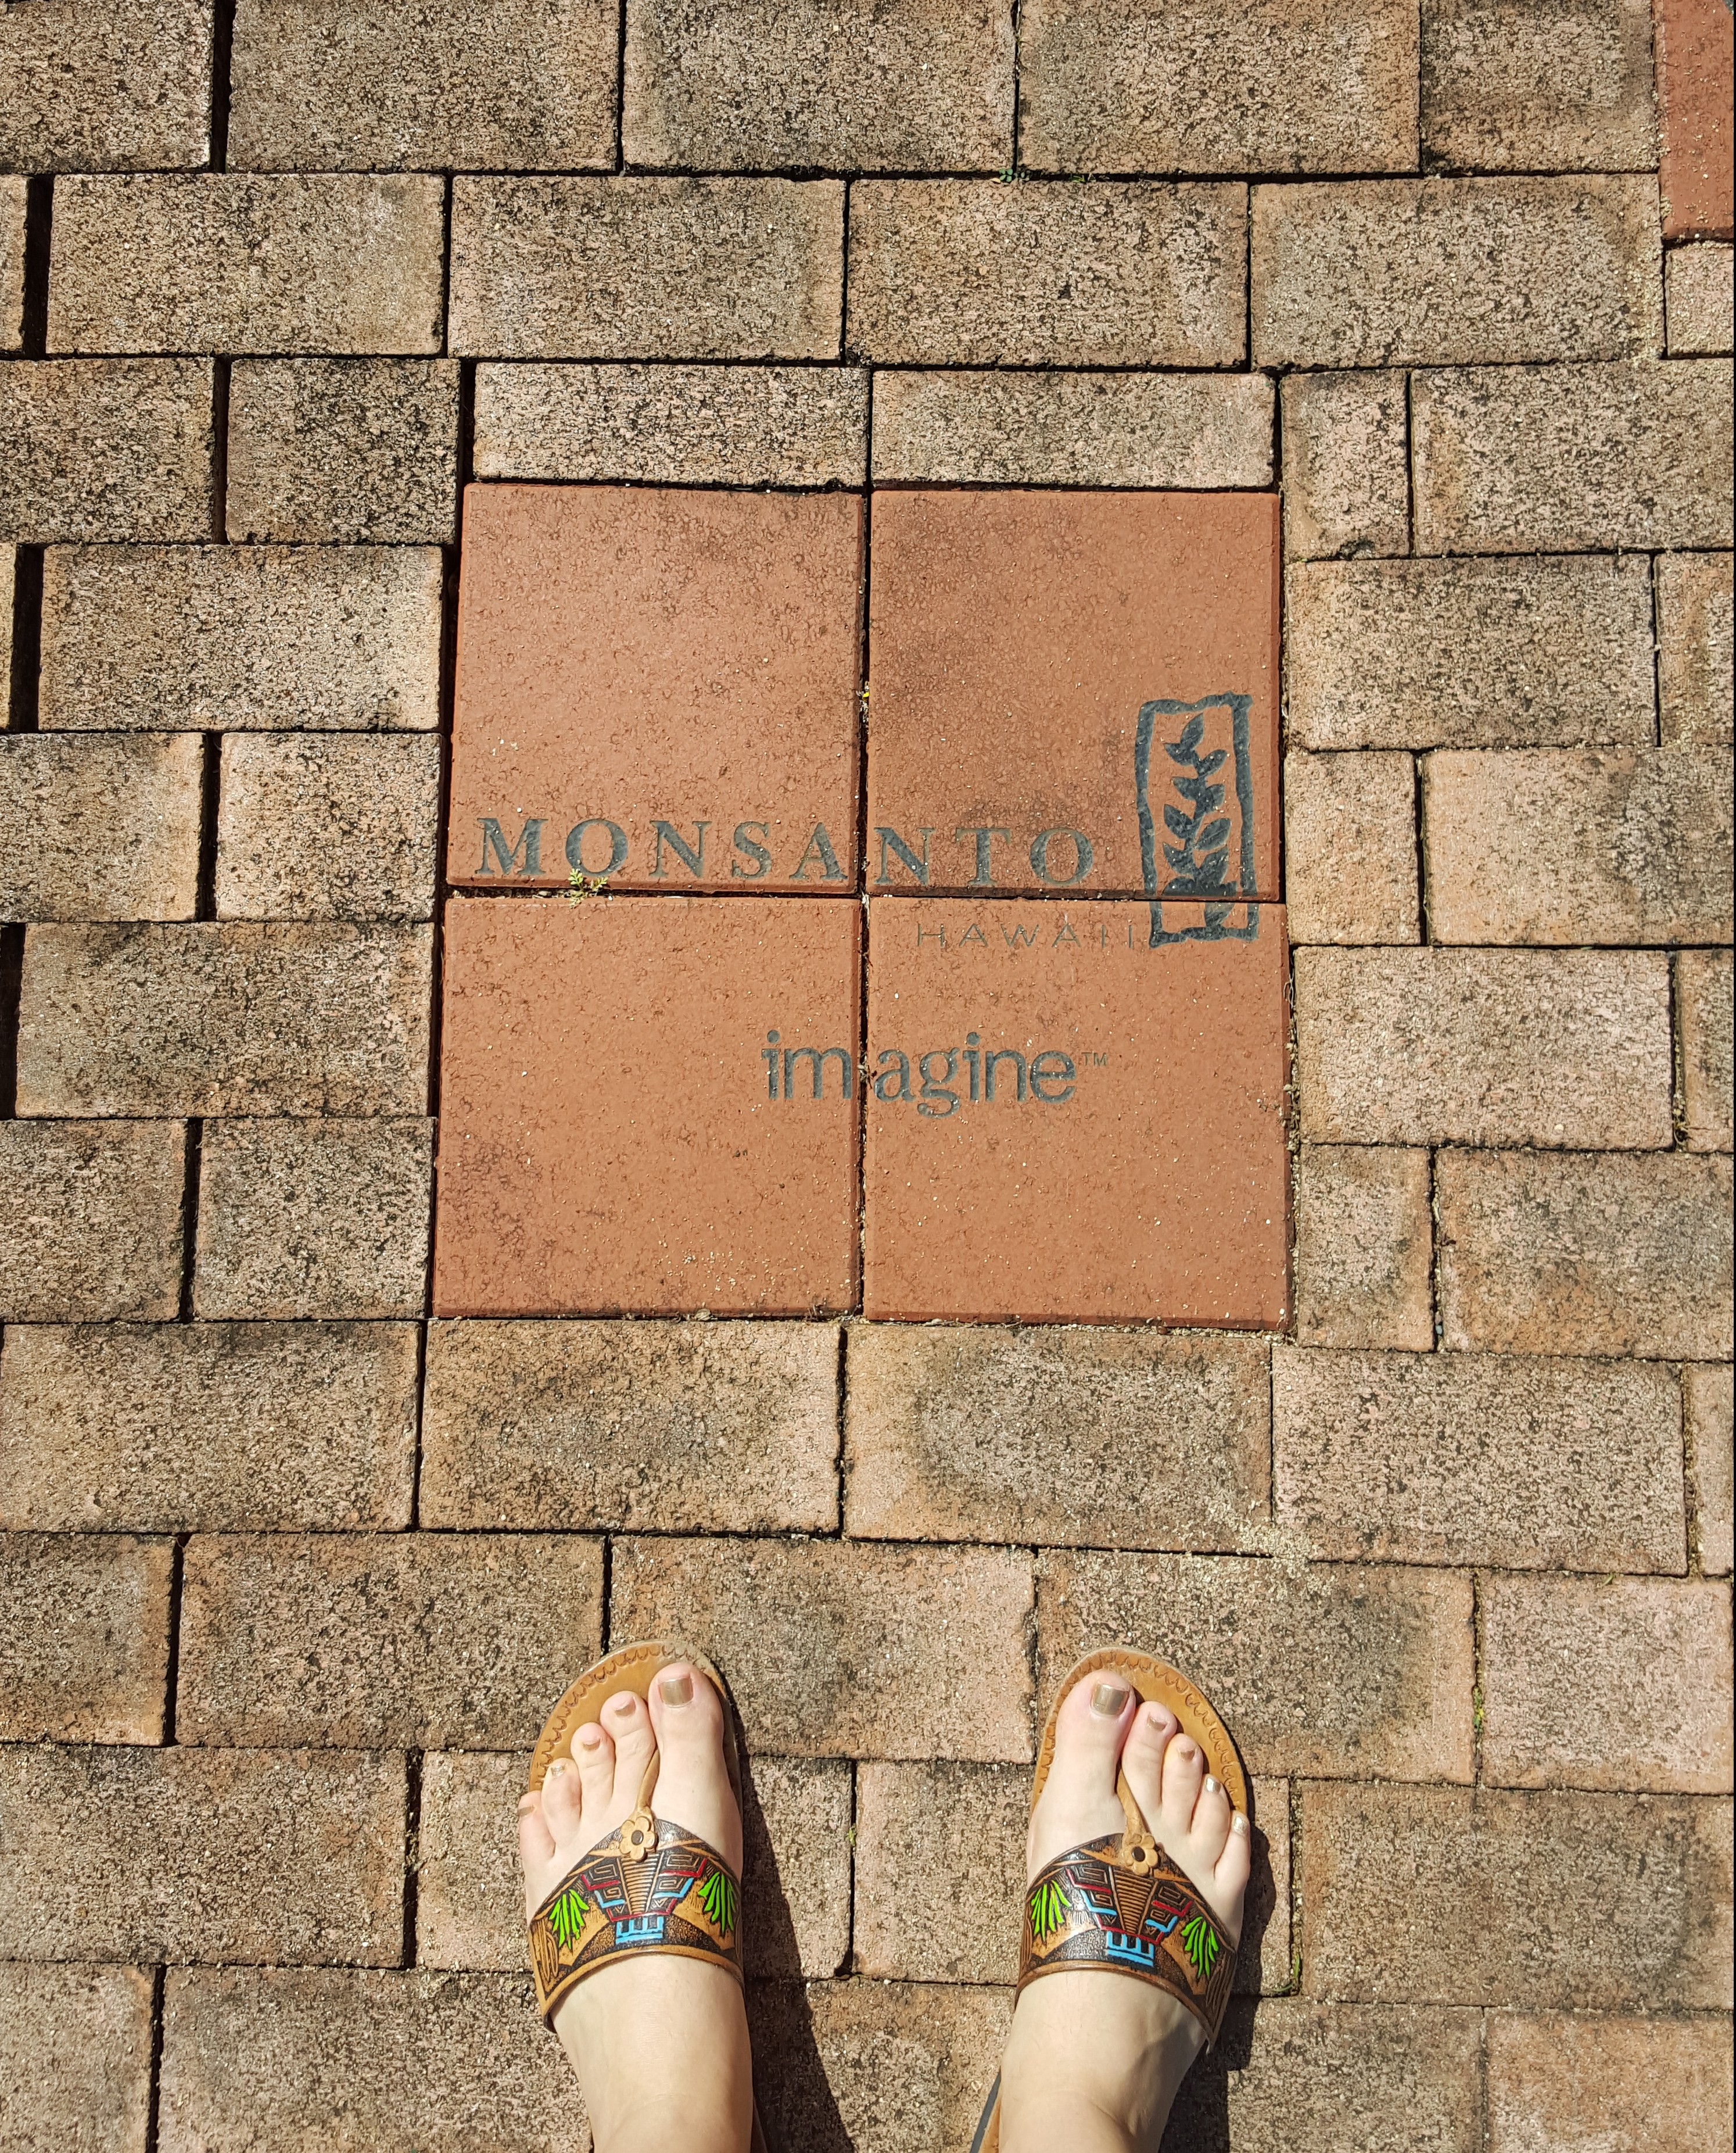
(1091, 1128)
(1696, 57)
(610, 1141)
(1032, 653)
(657, 686)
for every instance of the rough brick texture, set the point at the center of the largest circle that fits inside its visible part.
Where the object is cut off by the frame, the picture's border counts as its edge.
(313, 1218)
(106, 449)
(1364, 1247)
(1531, 1463)
(1474, 1046)
(962, 1433)
(1537, 652)
(1350, 835)
(1708, 1413)
(718, 1427)
(13, 197)
(646, 268)
(1581, 2081)
(173, 1427)
(315, 827)
(228, 263)
(283, 1856)
(1601, 1683)
(345, 450)
(90, 1219)
(236, 1019)
(1510, 87)
(1397, 1883)
(1694, 616)
(121, 87)
(1455, 272)
(75, 2046)
(1704, 1015)
(436, 1639)
(807, 84)
(323, 83)
(84, 1638)
(973, 273)
(239, 638)
(1377, 1661)
(99, 829)
(1699, 301)
(1347, 465)
(1585, 1252)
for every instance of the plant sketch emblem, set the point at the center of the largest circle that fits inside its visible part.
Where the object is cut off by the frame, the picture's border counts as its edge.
(1202, 833)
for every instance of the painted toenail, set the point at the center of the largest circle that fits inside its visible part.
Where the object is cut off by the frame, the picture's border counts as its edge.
(1238, 1823)
(1210, 1786)
(1106, 1700)
(589, 1736)
(559, 1764)
(676, 1689)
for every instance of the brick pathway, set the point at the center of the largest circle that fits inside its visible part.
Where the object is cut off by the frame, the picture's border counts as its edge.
(290, 1570)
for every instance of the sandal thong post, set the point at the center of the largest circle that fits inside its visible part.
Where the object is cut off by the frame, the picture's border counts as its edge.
(652, 1885)
(1119, 1903)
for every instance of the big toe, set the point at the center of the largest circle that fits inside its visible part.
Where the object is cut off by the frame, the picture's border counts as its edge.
(1079, 1802)
(693, 1782)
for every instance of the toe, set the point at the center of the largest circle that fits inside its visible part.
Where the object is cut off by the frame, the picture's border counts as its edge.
(1230, 1876)
(629, 1728)
(1079, 1801)
(596, 1756)
(693, 1783)
(1183, 1776)
(1154, 1727)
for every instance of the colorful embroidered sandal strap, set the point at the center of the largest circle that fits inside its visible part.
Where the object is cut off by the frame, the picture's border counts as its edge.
(1121, 1904)
(649, 1886)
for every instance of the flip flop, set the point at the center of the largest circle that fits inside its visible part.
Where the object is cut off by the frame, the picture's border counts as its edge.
(1120, 1904)
(651, 1885)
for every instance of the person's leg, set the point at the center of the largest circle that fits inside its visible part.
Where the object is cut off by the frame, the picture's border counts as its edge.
(659, 2042)
(1094, 2058)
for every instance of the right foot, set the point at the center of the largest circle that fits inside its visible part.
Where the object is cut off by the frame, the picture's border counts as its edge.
(1094, 2058)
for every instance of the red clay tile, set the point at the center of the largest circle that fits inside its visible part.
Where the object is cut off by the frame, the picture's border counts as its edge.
(1695, 51)
(628, 1116)
(1066, 1123)
(1032, 653)
(657, 685)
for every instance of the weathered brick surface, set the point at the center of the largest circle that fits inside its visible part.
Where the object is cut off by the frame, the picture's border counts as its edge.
(1614, 845)
(112, 88)
(8, 587)
(966, 1434)
(1540, 652)
(796, 1873)
(973, 273)
(898, 87)
(1706, 1398)
(312, 1218)
(225, 262)
(1388, 273)
(875, 2067)
(173, 1427)
(1110, 429)
(343, 450)
(1510, 86)
(290, 1856)
(1510, 459)
(84, 1638)
(106, 448)
(1585, 1252)
(1350, 848)
(1398, 1886)
(1347, 465)
(1109, 87)
(90, 1219)
(1377, 1662)
(674, 426)
(1439, 1458)
(400, 2063)
(1300, 2077)
(232, 1019)
(1581, 2082)
(435, 1640)
(75, 2046)
(314, 826)
(666, 1425)
(1566, 1049)
(640, 268)
(98, 829)
(1694, 48)
(320, 84)
(12, 263)
(1606, 1683)
(1700, 302)
(836, 1649)
(1703, 1013)
(240, 638)
(1694, 614)
(1364, 1247)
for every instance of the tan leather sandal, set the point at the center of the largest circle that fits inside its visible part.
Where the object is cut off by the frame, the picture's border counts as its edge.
(651, 1885)
(1120, 1904)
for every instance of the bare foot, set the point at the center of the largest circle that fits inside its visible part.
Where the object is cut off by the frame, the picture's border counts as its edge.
(659, 2042)
(1094, 2058)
